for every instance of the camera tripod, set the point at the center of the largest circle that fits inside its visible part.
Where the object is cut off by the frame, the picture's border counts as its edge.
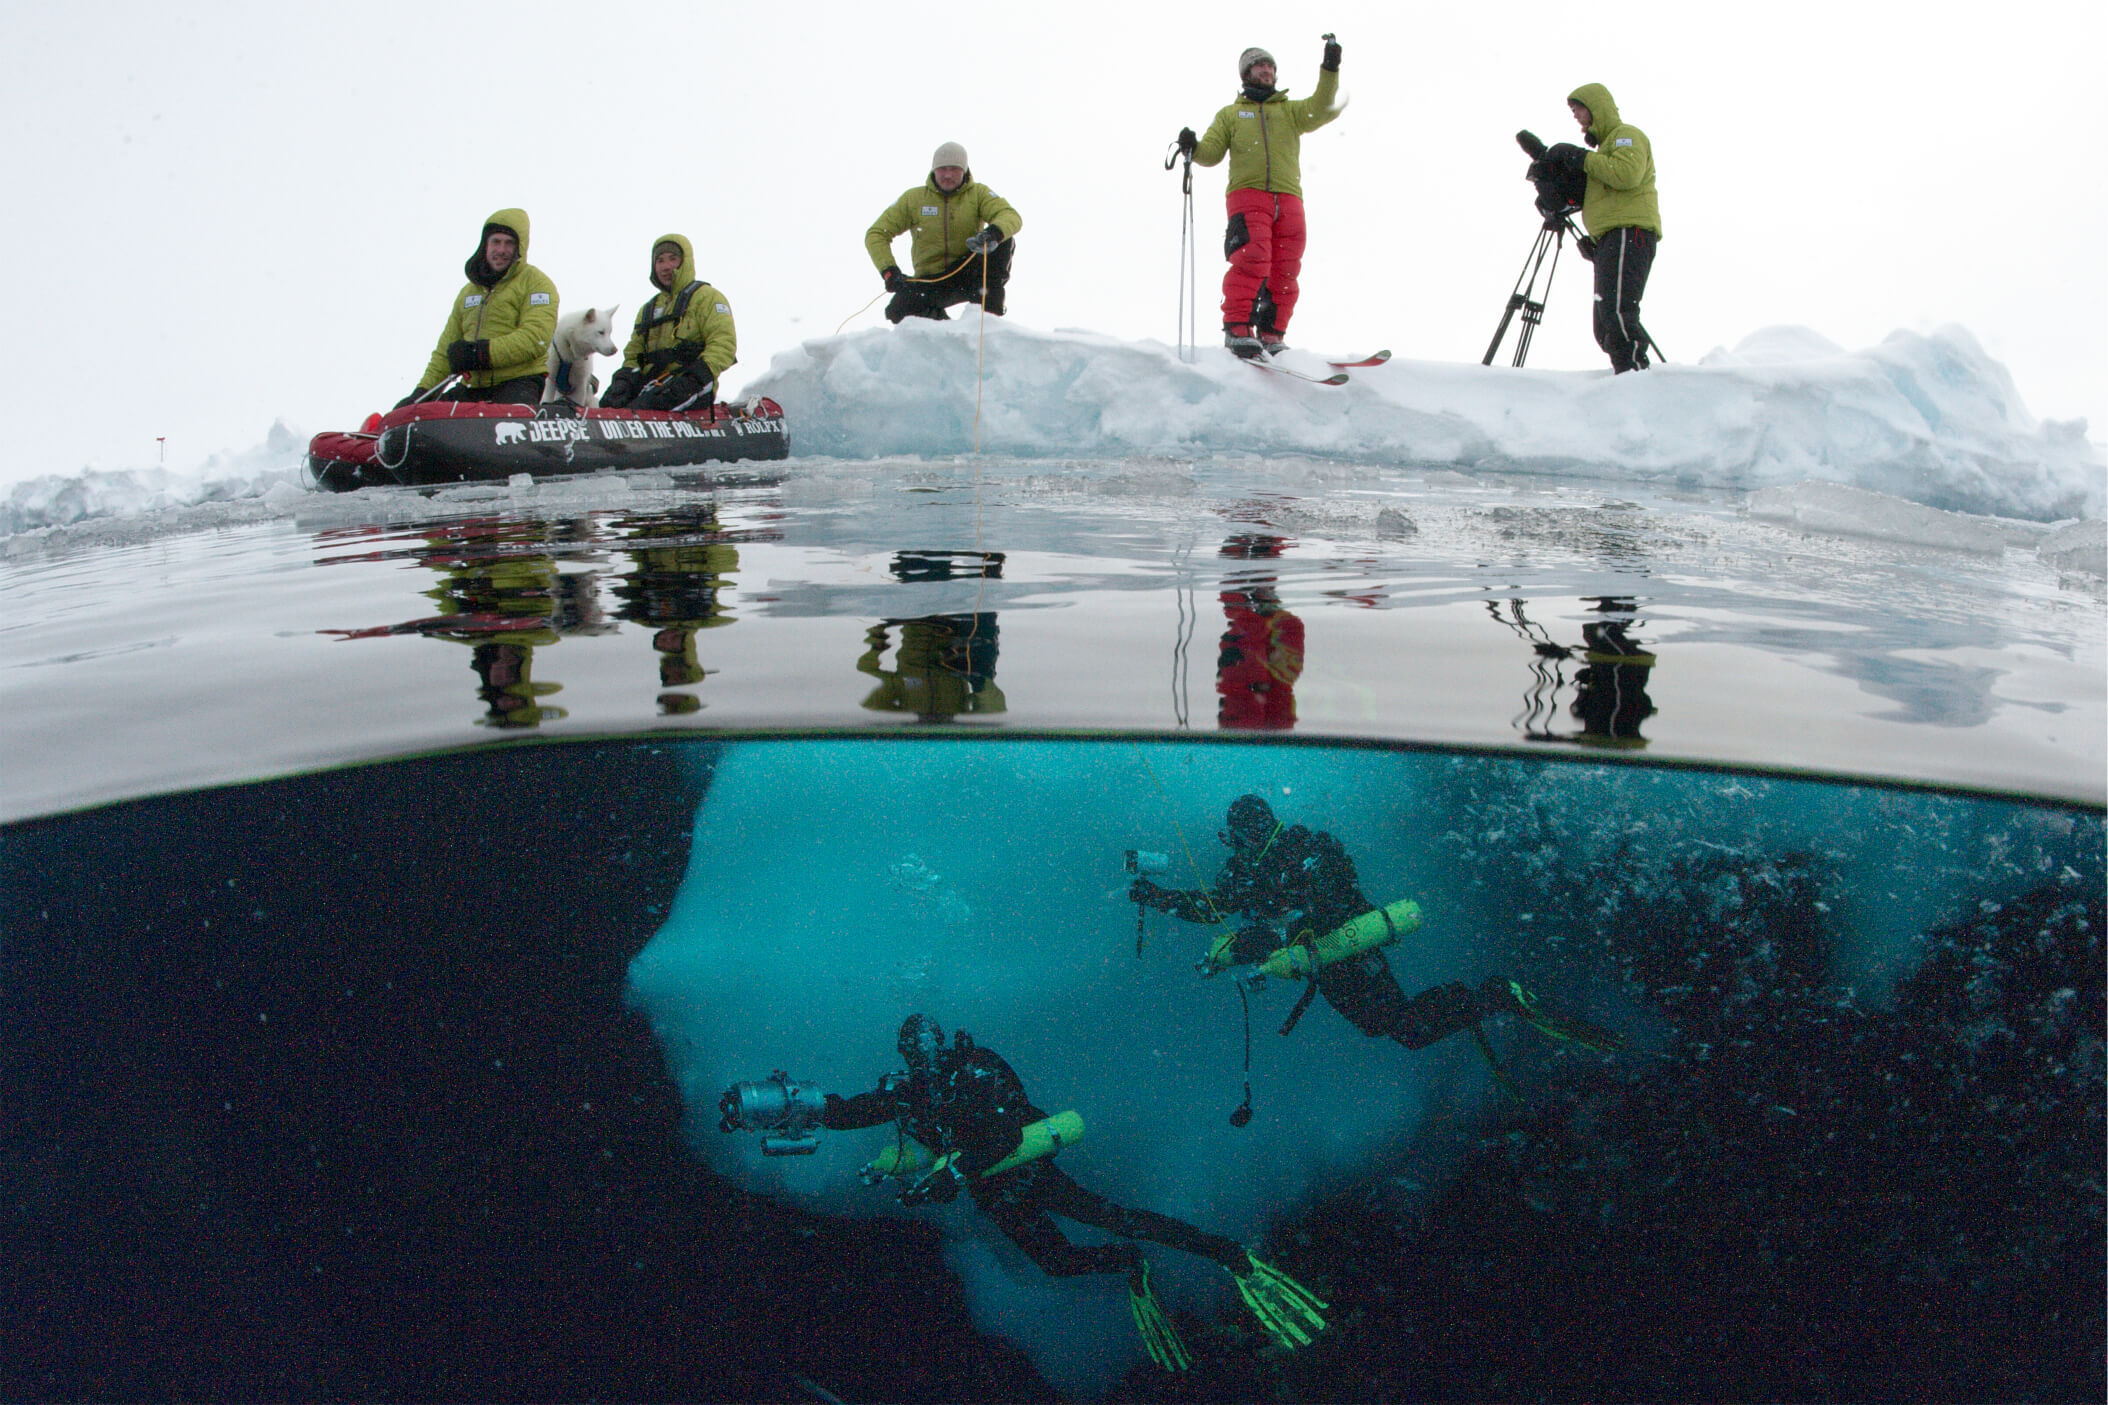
(1551, 237)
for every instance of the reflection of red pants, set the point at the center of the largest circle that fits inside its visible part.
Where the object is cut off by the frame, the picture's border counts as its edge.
(1264, 245)
(1256, 672)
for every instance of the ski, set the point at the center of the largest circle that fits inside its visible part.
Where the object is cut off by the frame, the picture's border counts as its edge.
(1374, 358)
(1336, 378)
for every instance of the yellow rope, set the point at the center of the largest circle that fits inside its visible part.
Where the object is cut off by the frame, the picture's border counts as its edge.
(1192, 862)
(980, 358)
(858, 313)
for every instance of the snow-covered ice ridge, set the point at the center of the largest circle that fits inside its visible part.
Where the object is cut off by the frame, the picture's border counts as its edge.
(1932, 420)
(1925, 420)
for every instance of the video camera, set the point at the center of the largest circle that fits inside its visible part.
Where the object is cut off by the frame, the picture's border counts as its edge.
(1561, 183)
(779, 1104)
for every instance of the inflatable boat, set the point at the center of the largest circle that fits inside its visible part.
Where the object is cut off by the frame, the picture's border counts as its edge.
(461, 442)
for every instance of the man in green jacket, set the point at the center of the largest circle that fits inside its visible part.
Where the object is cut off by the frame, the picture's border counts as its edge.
(1262, 134)
(497, 334)
(1622, 215)
(684, 339)
(964, 237)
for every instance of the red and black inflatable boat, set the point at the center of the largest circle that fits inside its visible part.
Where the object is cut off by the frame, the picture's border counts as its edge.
(460, 442)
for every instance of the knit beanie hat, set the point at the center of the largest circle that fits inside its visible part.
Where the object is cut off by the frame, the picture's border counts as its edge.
(1249, 57)
(950, 154)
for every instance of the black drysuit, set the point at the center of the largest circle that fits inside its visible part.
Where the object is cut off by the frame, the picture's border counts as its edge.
(1305, 880)
(975, 1104)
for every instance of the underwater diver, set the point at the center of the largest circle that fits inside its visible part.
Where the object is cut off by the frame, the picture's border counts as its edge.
(969, 1109)
(1305, 880)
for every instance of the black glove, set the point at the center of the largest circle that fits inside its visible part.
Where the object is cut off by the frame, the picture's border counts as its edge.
(941, 1185)
(895, 280)
(681, 391)
(1587, 246)
(1187, 141)
(464, 356)
(1144, 891)
(622, 388)
(408, 399)
(1331, 54)
(984, 241)
(1566, 154)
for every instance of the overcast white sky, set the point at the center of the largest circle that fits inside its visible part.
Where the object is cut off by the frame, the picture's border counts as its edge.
(221, 215)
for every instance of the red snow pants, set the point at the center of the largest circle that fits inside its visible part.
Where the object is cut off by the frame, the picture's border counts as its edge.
(1264, 246)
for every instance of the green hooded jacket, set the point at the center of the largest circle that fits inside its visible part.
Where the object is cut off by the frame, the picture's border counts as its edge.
(1264, 140)
(942, 224)
(1620, 169)
(515, 313)
(705, 332)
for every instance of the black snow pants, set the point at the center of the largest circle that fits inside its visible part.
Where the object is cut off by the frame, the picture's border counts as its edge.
(962, 284)
(1623, 257)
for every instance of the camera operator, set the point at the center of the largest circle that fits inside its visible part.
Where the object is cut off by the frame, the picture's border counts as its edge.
(1620, 211)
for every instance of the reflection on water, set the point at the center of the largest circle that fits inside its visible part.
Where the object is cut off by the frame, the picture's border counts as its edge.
(683, 566)
(863, 601)
(504, 593)
(1610, 684)
(1262, 641)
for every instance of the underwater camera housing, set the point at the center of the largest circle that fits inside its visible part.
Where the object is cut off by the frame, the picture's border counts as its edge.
(1140, 861)
(788, 1109)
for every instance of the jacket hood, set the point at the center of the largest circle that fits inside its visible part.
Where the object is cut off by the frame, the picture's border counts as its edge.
(681, 275)
(1602, 108)
(477, 270)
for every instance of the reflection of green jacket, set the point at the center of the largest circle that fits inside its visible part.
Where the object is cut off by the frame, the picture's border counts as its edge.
(1264, 140)
(942, 224)
(515, 313)
(705, 331)
(1620, 169)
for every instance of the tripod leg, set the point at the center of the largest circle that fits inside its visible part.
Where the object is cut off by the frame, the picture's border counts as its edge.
(1533, 312)
(1520, 300)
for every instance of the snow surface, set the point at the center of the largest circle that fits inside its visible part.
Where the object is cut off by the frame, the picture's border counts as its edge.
(1925, 421)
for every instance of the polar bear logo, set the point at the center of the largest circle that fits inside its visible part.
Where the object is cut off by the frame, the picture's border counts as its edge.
(511, 432)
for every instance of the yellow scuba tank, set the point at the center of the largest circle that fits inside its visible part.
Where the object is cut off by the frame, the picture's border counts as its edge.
(1372, 929)
(907, 1157)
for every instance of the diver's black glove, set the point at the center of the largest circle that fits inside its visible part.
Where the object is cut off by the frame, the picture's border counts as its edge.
(1187, 141)
(622, 388)
(1331, 54)
(941, 1185)
(1144, 891)
(1566, 155)
(894, 279)
(984, 241)
(465, 356)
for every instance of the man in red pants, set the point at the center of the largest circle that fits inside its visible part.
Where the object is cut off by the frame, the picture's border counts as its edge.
(1262, 134)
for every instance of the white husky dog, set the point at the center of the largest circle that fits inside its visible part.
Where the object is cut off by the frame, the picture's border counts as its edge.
(580, 336)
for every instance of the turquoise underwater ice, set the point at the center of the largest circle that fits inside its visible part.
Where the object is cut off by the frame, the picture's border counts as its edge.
(835, 886)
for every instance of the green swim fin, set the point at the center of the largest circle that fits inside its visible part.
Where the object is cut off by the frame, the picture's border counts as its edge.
(1159, 1338)
(1556, 1024)
(1285, 1308)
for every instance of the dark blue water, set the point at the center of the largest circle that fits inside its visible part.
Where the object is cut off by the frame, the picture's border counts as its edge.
(342, 1085)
